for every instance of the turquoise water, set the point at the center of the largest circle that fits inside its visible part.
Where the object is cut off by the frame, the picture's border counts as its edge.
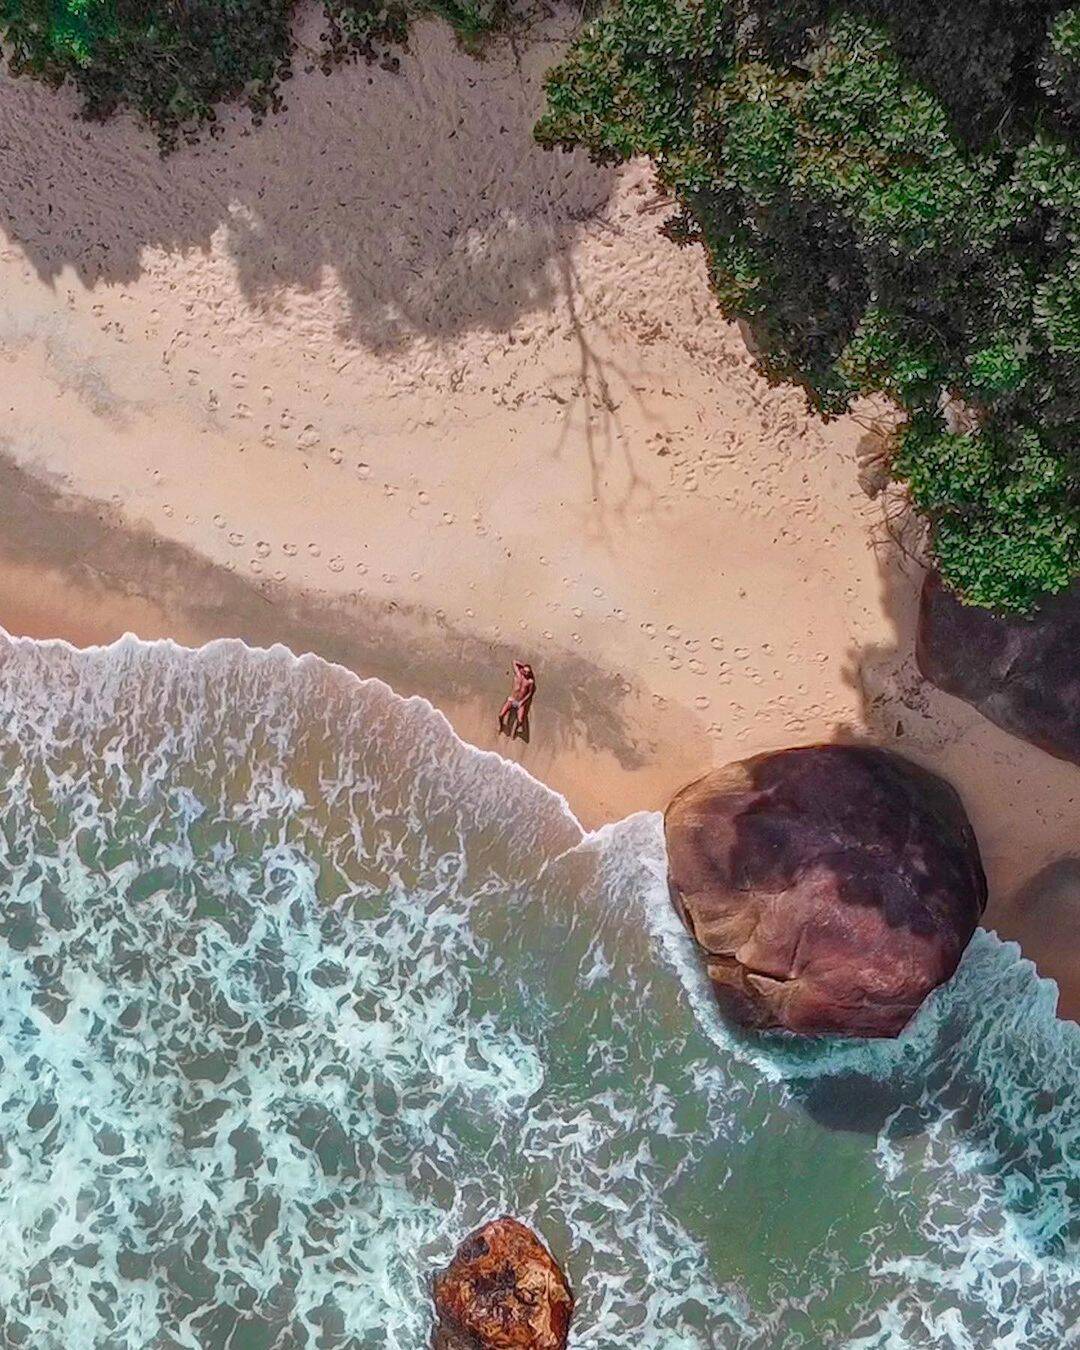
(296, 989)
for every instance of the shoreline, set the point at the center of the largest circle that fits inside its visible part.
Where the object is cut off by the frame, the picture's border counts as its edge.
(307, 386)
(71, 570)
(134, 582)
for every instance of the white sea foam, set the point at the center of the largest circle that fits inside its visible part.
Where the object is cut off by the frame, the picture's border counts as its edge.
(296, 988)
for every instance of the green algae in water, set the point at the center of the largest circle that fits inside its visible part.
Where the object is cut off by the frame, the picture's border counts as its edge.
(296, 990)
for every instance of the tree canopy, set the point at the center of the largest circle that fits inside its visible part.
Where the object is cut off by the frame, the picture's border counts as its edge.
(888, 193)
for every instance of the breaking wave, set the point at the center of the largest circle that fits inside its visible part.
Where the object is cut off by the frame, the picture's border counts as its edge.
(296, 989)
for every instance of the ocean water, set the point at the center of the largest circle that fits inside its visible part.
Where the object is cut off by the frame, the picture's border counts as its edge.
(296, 989)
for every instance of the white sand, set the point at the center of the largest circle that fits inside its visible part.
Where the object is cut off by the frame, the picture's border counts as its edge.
(385, 348)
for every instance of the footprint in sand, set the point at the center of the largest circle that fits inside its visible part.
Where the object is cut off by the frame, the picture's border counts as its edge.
(238, 380)
(336, 564)
(363, 470)
(262, 549)
(597, 592)
(279, 576)
(167, 509)
(697, 667)
(314, 550)
(672, 631)
(448, 517)
(548, 634)
(424, 498)
(219, 521)
(577, 611)
(256, 565)
(415, 576)
(717, 643)
(362, 568)
(308, 439)
(290, 550)
(336, 456)
(649, 629)
(701, 702)
(236, 538)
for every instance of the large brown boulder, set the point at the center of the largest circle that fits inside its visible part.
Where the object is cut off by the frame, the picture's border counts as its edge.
(1022, 672)
(502, 1291)
(830, 888)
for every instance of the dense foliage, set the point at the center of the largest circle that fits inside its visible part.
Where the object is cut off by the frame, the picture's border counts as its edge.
(174, 60)
(888, 192)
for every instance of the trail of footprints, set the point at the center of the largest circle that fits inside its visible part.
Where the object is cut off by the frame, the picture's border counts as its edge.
(706, 659)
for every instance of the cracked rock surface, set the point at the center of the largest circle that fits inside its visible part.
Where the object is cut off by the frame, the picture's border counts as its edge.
(502, 1291)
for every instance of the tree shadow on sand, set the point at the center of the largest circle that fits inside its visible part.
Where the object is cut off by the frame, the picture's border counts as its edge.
(419, 195)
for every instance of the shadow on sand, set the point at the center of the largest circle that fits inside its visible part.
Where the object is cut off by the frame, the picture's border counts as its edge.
(421, 192)
(46, 533)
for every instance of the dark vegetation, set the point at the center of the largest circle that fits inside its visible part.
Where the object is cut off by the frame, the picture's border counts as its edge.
(888, 193)
(172, 61)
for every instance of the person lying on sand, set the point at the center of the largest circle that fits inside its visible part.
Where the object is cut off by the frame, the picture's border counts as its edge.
(519, 702)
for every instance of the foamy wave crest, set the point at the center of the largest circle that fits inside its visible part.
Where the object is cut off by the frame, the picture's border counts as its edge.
(296, 989)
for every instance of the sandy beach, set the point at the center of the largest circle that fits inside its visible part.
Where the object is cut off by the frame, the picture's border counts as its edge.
(384, 381)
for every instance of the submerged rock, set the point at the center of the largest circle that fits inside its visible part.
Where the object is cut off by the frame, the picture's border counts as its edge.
(1021, 672)
(502, 1291)
(830, 887)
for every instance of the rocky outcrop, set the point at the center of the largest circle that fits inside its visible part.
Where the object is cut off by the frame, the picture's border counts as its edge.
(1022, 672)
(830, 888)
(502, 1291)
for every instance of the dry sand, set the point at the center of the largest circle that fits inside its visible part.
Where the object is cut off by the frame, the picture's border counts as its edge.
(383, 380)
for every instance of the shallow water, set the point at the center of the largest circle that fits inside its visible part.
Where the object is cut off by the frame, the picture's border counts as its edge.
(296, 989)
